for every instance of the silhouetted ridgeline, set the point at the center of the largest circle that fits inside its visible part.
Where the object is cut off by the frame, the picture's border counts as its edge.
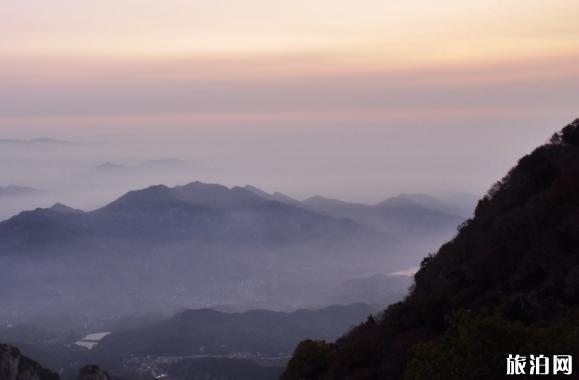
(255, 333)
(507, 284)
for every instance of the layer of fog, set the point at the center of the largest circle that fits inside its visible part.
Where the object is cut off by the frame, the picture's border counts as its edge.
(354, 134)
(350, 159)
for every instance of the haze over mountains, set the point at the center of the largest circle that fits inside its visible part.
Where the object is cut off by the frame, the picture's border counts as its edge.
(70, 173)
(409, 214)
(88, 171)
(197, 245)
(131, 173)
(18, 191)
(136, 263)
(161, 163)
(16, 198)
(506, 282)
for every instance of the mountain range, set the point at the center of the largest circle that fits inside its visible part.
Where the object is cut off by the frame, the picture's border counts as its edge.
(209, 212)
(193, 212)
(158, 164)
(209, 245)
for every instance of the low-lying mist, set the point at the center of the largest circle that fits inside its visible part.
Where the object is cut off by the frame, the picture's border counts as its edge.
(100, 238)
(163, 249)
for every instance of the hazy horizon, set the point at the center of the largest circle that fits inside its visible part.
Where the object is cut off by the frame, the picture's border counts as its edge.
(319, 160)
(353, 101)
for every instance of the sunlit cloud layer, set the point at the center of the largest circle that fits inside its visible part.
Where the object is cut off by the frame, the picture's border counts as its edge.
(411, 32)
(148, 58)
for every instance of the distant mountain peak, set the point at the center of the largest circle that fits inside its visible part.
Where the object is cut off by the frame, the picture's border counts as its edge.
(65, 209)
(202, 185)
(153, 193)
(109, 166)
(156, 165)
(166, 163)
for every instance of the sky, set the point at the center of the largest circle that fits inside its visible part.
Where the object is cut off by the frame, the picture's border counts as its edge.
(354, 99)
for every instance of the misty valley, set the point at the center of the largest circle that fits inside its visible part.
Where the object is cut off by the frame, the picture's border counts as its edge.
(204, 281)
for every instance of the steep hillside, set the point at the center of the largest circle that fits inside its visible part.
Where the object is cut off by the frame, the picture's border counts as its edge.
(507, 284)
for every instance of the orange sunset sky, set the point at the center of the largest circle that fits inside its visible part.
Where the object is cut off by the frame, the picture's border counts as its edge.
(367, 80)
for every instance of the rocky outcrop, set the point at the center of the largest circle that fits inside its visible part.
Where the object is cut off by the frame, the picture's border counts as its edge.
(15, 366)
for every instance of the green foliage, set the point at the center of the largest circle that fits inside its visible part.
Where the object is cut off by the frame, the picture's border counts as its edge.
(476, 346)
(310, 360)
